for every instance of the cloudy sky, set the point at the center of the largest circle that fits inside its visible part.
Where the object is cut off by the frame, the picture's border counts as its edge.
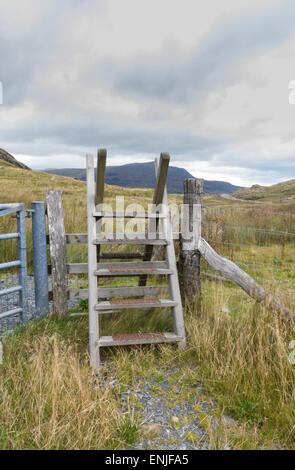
(206, 81)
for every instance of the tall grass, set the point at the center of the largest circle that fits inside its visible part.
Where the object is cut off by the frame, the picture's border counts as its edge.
(50, 398)
(243, 362)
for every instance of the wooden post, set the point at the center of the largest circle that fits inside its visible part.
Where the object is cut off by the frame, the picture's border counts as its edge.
(99, 192)
(100, 175)
(92, 266)
(189, 259)
(57, 240)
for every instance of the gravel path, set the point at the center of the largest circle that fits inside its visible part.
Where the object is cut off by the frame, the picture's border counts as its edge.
(174, 416)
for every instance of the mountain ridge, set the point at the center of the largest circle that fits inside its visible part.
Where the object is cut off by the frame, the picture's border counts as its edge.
(141, 175)
(9, 160)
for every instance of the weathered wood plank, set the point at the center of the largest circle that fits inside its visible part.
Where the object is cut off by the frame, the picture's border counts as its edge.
(81, 268)
(161, 177)
(135, 303)
(231, 271)
(134, 291)
(73, 268)
(126, 272)
(73, 238)
(121, 255)
(77, 268)
(129, 241)
(99, 192)
(100, 175)
(173, 278)
(92, 281)
(129, 215)
(147, 338)
(77, 238)
(128, 291)
(133, 264)
(57, 238)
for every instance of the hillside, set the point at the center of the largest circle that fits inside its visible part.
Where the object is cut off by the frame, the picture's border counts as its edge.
(276, 192)
(8, 160)
(142, 175)
(16, 186)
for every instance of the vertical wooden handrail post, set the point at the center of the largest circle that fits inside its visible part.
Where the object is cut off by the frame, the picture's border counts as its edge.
(92, 265)
(99, 191)
(157, 199)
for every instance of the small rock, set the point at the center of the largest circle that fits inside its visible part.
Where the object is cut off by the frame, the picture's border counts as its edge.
(152, 428)
(174, 419)
(225, 310)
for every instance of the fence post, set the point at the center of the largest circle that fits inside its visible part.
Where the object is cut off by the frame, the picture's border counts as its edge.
(189, 259)
(40, 258)
(22, 256)
(57, 240)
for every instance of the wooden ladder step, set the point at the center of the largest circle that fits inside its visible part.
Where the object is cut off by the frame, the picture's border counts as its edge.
(132, 268)
(123, 240)
(122, 270)
(131, 291)
(121, 255)
(118, 304)
(129, 215)
(138, 338)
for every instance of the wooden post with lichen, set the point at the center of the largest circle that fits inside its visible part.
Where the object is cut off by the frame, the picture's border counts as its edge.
(57, 241)
(189, 257)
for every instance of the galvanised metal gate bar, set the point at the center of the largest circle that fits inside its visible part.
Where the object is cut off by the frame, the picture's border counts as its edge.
(40, 258)
(21, 263)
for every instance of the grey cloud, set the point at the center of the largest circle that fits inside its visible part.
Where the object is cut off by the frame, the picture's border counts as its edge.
(172, 76)
(27, 54)
(126, 139)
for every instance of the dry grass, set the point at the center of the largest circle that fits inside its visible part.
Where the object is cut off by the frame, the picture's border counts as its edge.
(50, 398)
(243, 362)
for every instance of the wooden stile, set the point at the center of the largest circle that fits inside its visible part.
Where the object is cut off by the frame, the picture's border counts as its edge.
(135, 297)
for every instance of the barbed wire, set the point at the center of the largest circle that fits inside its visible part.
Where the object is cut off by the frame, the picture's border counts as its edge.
(236, 209)
(252, 229)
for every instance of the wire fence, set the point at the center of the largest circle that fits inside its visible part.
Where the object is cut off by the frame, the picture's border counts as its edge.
(260, 241)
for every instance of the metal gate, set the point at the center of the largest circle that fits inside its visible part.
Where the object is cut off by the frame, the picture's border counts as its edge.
(19, 311)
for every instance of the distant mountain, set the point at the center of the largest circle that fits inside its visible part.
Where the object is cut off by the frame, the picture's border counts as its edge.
(8, 160)
(142, 175)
